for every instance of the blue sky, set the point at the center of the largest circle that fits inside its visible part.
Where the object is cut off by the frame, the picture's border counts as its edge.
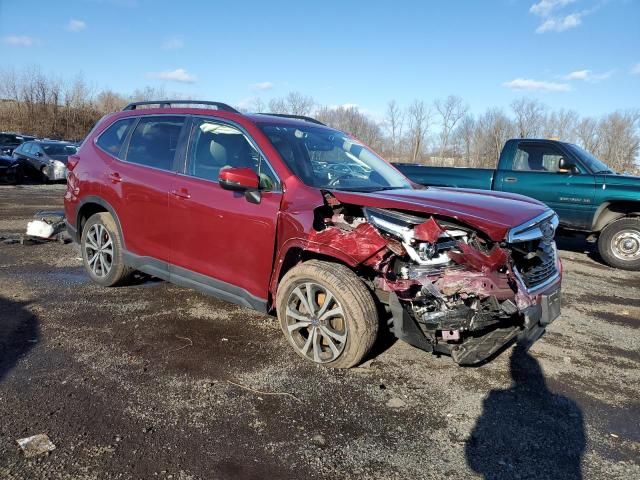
(577, 54)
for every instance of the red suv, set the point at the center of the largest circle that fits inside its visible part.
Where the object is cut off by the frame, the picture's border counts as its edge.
(285, 215)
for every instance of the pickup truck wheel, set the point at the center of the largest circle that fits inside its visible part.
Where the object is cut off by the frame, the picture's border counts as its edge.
(327, 314)
(619, 244)
(102, 251)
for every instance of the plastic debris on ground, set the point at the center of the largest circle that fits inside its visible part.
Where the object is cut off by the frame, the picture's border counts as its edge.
(36, 445)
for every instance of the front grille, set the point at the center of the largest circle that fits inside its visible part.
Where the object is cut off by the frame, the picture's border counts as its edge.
(535, 261)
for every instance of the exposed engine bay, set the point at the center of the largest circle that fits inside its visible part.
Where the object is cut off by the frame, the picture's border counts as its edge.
(449, 288)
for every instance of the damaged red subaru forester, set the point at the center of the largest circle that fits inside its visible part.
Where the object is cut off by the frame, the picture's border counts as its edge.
(285, 215)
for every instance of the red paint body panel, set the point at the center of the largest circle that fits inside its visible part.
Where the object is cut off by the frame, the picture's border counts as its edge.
(218, 233)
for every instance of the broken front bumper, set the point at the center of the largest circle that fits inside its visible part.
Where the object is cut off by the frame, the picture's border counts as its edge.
(471, 348)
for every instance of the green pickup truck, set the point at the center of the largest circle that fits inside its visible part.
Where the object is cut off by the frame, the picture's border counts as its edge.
(585, 193)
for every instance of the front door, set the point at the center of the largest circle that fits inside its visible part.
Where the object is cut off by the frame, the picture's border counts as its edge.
(535, 173)
(220, 236)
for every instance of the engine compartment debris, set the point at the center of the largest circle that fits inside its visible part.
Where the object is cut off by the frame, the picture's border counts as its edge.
(450, 288)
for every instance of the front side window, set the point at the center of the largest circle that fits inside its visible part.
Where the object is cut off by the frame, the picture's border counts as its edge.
(329, 159)
(27, 148)
(216, 146)
(154, 141)
(112, 139)
(537, 158)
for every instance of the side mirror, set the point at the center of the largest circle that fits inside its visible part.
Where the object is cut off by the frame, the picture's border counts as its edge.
(238, 179)
(38, 154)
(565, 166)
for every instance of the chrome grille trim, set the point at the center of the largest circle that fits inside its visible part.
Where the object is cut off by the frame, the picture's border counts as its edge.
(531, 230)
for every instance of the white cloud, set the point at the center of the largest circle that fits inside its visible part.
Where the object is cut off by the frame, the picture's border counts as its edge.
(177, 75)
(578, 75)
(173, 43)
(544, 7)
(542, 86)
(262, 86)
(588, 76)
(19, 40)
(76, 25)
(560, 24)
(635, 70)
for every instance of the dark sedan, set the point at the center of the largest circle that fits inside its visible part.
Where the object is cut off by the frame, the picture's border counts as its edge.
(10, 170)
(45, 158)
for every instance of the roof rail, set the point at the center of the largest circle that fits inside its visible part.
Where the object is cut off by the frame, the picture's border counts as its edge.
(297, 117)
(168, 103)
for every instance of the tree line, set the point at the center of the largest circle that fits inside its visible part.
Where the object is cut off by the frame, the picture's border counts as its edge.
(439, 132)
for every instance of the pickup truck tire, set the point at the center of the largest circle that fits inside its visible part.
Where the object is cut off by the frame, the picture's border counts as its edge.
(327, 314)
(102, 252)
(619, 244)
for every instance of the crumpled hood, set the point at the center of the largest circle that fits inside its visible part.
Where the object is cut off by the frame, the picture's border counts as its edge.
(493, 213)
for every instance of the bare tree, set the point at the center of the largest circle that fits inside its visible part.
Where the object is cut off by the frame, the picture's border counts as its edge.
(294, 103)
(561, 125)
(419, 119)
(620, 140)
(451, 110)
(353, 121)
(394, 120)
(529, 117)
(495, 129)
(465, 139)
(588, 134)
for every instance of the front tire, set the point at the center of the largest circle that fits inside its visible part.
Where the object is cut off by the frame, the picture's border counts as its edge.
(102, 252)
(619, 244)
(327, 314)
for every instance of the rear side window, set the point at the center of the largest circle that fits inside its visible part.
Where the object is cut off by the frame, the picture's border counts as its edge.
(154, 141)
(112, 139)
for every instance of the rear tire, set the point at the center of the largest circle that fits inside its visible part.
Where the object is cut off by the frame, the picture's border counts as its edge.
(340, 325)
(102, 252)
(619, 244)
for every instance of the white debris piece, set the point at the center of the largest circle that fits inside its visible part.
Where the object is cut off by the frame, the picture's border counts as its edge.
(36, 445)
(38, 228)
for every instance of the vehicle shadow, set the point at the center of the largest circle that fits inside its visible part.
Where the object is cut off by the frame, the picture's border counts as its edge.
(19, 333)
(578, 243)
(526, 431)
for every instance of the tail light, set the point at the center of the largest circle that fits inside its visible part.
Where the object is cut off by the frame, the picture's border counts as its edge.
(72, 161)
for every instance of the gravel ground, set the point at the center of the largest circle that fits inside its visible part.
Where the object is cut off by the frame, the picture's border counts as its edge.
(156, 381)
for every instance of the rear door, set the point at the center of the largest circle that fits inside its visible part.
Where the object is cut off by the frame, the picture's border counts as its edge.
(137, 184)
(222, 238)
(534, 171)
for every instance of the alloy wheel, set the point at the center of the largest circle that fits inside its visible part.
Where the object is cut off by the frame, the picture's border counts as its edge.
(99, 250)
(316, 322)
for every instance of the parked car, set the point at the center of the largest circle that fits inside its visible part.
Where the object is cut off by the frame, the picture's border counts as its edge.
(587, 195)
(47, 159)
(9, 141)
(10, 170)
(288, 216)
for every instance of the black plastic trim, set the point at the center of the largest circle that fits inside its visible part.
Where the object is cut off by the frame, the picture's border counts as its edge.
(202, 283)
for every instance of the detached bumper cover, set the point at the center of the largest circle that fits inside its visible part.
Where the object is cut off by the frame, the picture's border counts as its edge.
(527, 329)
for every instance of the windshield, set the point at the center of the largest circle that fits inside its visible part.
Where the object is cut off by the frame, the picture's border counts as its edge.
(325, 158)
(59, 149)
(592, 163)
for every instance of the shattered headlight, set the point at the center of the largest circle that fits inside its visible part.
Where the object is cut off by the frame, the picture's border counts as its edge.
(425, 241)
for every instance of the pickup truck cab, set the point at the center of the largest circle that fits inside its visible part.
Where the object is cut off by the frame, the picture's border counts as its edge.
(290, 217)
(585, 193)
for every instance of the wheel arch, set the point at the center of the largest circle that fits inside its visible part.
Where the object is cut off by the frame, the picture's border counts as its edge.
(294, 255)
(90, 206)
(609, 212)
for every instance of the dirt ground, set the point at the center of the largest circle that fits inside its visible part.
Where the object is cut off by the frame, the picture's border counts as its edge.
(157, 381)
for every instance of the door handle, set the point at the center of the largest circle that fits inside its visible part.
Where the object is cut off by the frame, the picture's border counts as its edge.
(181, 193)
(510, 179)
(115, 177)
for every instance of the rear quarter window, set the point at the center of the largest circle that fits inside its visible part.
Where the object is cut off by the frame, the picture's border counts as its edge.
(112, 139)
